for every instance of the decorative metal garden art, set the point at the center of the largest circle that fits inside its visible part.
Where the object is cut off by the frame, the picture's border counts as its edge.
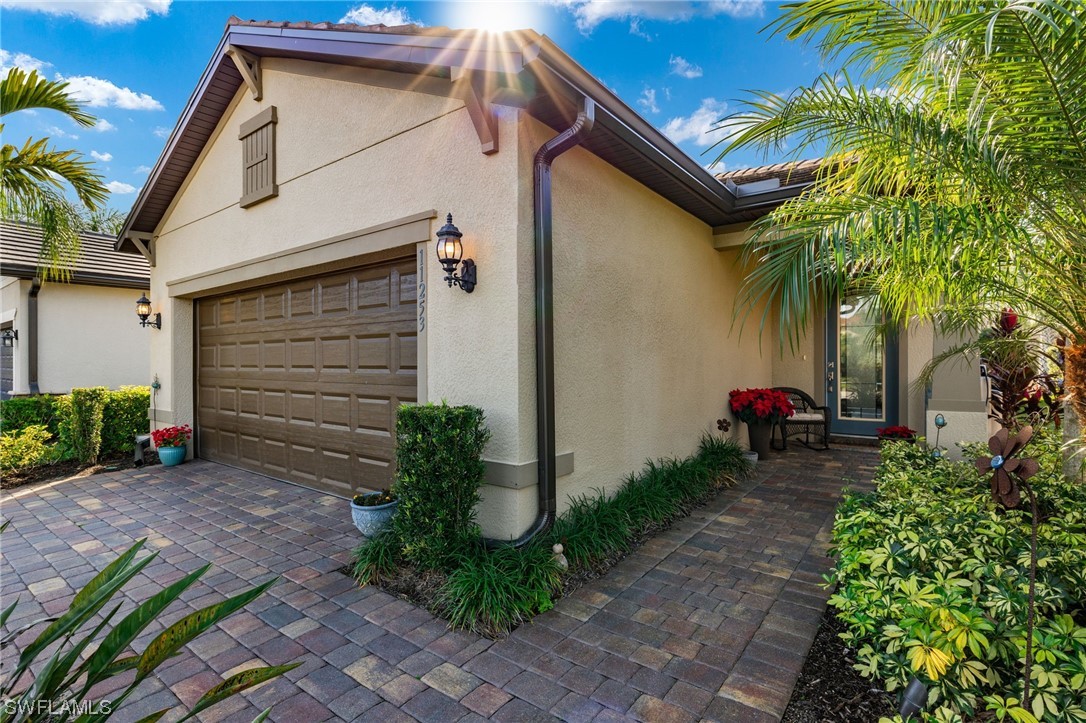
(1009, 476)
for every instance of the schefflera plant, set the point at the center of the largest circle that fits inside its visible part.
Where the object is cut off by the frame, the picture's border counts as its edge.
(63, 664)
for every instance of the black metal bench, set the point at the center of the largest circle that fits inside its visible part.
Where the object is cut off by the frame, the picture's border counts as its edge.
(810, 421)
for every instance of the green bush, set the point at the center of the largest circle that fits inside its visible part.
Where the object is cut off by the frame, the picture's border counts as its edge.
(439, 470)
(18, 413)
(933, 581)
(25, 448)
(85, 423)
(124, 416)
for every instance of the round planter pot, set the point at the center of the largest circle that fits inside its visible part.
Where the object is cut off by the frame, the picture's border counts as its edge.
(171, 456)
(750, 455)
(371, 520)
(759, 434)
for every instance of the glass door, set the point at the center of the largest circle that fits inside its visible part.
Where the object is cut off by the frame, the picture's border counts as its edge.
(861, 369)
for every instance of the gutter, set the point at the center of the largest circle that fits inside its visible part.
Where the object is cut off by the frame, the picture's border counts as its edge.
(32, 336)
(544, 319)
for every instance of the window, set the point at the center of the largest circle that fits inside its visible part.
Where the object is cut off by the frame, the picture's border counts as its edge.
(258, 158)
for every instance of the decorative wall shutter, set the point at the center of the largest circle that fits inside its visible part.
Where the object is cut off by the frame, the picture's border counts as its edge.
(258, 158)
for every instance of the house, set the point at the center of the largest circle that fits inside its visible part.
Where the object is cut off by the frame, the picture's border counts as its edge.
(79, 333)
(290, 225)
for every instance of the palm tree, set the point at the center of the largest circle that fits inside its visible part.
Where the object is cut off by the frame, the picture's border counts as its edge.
(954, 179)
(34, 178)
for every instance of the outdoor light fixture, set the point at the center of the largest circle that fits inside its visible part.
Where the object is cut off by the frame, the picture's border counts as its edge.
(940, 422)
(449, 253)
(915, 698)
(9, 337)
(143, 311)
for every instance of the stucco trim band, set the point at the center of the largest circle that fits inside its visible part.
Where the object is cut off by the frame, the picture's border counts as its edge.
(957, 405)
(306, 259)
(161, 416)
(519, 476)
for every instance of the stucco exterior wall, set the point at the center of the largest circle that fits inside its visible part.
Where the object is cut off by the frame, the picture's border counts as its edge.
(352, 156)
(643, 302)
(88, 336)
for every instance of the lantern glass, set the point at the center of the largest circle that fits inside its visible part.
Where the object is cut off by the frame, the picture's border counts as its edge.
(143, 307)
(449, 251)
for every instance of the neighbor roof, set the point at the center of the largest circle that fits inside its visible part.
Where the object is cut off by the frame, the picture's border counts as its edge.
(789, 174)
(99, 263)
(528, 70)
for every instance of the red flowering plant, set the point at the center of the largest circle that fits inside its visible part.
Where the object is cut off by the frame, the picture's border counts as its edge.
(898, 431)
(172, 436)
(760, 405)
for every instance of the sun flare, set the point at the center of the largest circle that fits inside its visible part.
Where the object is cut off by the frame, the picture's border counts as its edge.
(496, 16)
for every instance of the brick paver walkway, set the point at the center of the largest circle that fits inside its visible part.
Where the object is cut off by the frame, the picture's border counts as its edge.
(710, 620)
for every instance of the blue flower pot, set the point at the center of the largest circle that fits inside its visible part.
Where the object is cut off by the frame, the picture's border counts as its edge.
(171, 456)
(371, 520)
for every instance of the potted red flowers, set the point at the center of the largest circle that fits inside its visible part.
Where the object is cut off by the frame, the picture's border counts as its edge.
(760, 408)
(171, 443)
(898, 431)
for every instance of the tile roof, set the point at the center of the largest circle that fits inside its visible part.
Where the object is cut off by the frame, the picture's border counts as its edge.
(98, 264)
(789, 174)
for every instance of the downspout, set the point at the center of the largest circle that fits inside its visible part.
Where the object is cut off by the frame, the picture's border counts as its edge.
(32, 334)
(544, 316)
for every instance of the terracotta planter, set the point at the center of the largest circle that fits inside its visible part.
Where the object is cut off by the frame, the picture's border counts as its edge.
(371, 520)
(760, 433)
(170, 456)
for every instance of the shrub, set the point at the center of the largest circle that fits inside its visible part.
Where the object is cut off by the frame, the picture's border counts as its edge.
(124, 417)
(18, 413)
(25, 448)
(933, 581)
(440, 469)
(376, 558)
(85, 423)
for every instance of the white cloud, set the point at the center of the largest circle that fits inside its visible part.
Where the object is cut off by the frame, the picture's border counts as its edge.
(28, 63)
(590, 13)
(700, 126)
(647, 101)
(682, 67)
(100, 93)
(162, 132)
(103, 157)
(121, 188)
(369, 15)
(635, 29)
(103, 126)
(56, 132)
(142, 170)
(97, 12)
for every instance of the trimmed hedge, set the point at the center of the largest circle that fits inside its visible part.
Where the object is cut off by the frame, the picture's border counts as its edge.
(124, 416)
(18, 413)
(86, 423)
(439, 463)
(28, 447)
(933, 577)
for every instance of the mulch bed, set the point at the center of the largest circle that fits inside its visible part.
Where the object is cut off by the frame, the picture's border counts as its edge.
(830, 690)
(63, 470)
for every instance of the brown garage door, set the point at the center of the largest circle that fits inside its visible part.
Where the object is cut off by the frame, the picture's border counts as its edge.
(301, 380)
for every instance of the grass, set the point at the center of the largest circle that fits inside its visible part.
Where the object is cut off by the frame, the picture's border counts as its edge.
(492, 591)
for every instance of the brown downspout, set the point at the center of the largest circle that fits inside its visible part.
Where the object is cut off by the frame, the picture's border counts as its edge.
(544, 318)
(32, 336)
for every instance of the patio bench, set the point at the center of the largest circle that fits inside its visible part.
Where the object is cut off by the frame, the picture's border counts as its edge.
(811, 420)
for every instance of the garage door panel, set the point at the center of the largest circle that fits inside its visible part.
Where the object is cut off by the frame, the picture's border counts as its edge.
(302, 380)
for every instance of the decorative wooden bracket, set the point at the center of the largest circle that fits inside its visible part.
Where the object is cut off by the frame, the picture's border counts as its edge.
(145, 246)
(471, 88)
(249, 67)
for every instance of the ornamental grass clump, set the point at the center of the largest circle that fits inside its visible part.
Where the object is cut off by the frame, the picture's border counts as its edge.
(933, 581)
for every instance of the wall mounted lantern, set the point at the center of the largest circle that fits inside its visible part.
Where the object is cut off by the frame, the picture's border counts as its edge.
(143, 311)
(449, 253)
(9, 337)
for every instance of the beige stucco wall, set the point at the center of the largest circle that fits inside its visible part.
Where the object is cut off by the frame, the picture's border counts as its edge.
(87, 336)
(643, 355)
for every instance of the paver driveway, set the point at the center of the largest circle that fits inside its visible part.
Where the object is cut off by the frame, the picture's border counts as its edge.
(710, 620)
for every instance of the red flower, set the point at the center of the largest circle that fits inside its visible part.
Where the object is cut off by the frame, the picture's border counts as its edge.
(172, 436)
(759, 404)
(898, 431)
(1008, 321)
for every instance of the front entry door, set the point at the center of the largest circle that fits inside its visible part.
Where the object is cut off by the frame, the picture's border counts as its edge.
(861, 369)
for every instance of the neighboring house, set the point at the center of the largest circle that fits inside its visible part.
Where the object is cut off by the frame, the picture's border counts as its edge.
(80, 333)
(290, 224)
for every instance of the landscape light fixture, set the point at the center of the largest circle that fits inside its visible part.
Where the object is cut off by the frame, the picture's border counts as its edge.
(915, 698)
(9, 336)
(143, 311)
(450, 252)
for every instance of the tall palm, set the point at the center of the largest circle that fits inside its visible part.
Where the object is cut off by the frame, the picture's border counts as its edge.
(35, 177)
(954, 180)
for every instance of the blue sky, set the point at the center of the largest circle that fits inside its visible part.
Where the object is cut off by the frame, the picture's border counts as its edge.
(683, 65)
